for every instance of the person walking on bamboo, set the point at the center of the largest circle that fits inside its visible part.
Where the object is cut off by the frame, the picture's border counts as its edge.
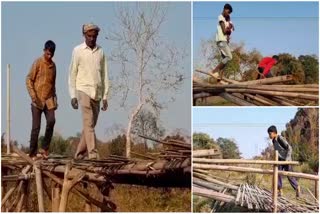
(41, 85)
(224, 29)
(285, 152)
(88, 84)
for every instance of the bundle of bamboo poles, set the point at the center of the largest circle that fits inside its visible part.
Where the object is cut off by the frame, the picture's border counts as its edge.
(208, 183)
(174, 149)
(264, 92)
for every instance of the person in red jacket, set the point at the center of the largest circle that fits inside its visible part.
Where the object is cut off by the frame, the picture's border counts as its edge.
(265, 66)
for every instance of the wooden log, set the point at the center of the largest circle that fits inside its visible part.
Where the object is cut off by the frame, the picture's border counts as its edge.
(204, 152)
(39, 186)
(235, 100)
(241, 161)
(275, 93)
(275, 184)
(255, 170)
(67, 186)
(212, 194)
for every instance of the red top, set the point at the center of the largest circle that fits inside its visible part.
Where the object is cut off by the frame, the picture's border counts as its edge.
(267, 64)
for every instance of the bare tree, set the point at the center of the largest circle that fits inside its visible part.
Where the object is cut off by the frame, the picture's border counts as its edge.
(149, 67)
(147, 123)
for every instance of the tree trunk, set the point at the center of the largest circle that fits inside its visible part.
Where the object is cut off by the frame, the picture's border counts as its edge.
(128, 135)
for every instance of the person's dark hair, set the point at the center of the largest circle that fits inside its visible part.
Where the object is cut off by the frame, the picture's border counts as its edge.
(272, 129)
(50, 46)
(276, 57)
(227, 7)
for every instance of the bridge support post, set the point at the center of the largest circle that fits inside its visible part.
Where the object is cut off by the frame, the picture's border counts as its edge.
(316, 189)
(39, 187)
(55, 197)
(275, 183)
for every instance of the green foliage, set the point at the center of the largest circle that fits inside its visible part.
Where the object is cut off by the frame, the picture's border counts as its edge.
(117, 146)
(58, 145)
(203, 141)
(229, 148)
(289, 64)
(311, 68)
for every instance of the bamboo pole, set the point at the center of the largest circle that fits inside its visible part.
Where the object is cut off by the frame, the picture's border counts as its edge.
(144, 156)
(275, 184)
(255, 170)
(183, 145)
(316, 189)
(219, 88)
(23, 196)
(67, 186)
(241, 161)
(39, 187)
(204, 152)
(235, 100)
(55, 197)
(8, 109)
(205, 184)
(215, 181)
(271, 80)
(212, 194)
(275, 93)
(8, 194)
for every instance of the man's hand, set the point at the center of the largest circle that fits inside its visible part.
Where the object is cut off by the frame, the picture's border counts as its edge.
(104, 105)
(37, 102)
(74, 103)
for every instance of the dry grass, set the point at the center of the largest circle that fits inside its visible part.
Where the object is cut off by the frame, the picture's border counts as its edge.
(128, 198)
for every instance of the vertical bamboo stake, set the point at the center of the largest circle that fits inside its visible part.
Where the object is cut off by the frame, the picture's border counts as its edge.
(275, 184)
(55, 198)
(8, 109)
(39, 187)
(316, 189)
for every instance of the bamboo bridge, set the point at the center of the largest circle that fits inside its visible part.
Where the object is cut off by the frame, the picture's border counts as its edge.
(172, 168)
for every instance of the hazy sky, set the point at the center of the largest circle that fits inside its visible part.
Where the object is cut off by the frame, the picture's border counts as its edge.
(270, 27)
(248, 126)
(25, 28)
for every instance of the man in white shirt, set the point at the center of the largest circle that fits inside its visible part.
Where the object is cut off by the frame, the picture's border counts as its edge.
(88, 83)
(223, 29)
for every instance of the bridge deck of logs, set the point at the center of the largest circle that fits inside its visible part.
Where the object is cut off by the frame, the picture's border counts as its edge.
(274, 91)
(172, 168)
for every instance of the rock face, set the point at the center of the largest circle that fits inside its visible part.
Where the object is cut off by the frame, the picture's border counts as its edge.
(303, 134)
